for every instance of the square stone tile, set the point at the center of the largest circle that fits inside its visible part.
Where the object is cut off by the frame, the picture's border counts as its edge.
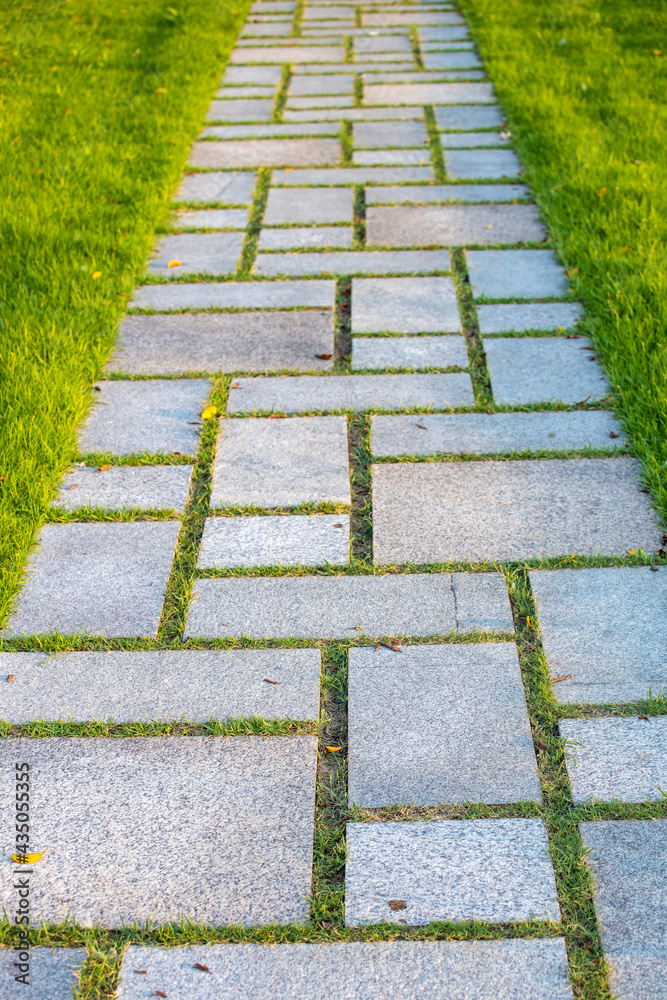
(516, 274)
(266, 153)
(96, 579)
(196, 253)
(248, 110)
(404, 305)
(309, 206)
(511, 317)
(542, 369)
(467, 164)
(428, 93)
(616, 759)
(452, 225)
(123, 487)
(606, 628)
(328, 83)
(409, 352)
(414, 194)
(486, 869)
(451, 60)
(210, 218)
(53, 972)
(236, 295)
(351, 175)
(287, 540)
(298, 237)
(352, 262)
(468, 119)
(230, 188)
(156, 811)
(288, 54)
(434, 512)
(439, 724)
(270, 75)
(379, 135)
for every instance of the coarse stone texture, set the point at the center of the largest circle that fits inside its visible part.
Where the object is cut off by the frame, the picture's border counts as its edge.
(175, 344)
(249, 110)
(438, 724)
(400, 65)
(210, 218)
(290, 540)
(510, 317)
(308, 85)
(542, 369)
(515, 274)
(308, 206)
(487, 869)
(236, 295)
(266, 153)
(196, 685)
(379, 135)
(196, 253)
(606, 628)
(338, 607)
(428, 93)
(297, 238)
(402, 157)
(441, 34)
(281, 463)
(352, 262)
(468, 140)
(469, 118)
(96, 579)
(404, 305)
(445, 193)
(315, 13)
(382, 43)
(434, 512)
(273, 7)
(489, 433)
(628, 861)
(289, 54)
(435, 76)
(452, 225)
(350, 175)
(390, 19)
(281, 131)
(355, 114)
(451, 60)
(53, 973)
(616, 759)
(232, 188)
(253, 74)
(126, 486)
(155, 813)
(151, 415)
(234, 92)
(409, 352)
(254, 30)
(307, 103)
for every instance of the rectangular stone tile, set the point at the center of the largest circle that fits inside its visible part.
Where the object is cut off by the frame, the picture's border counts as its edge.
(378, 135)
(288, 540)
(96, 579)
(543, 369)
(628, 861)
(400, 64)
(606, 628)
(53, 972)
(439, 724)
(196, 685)
(150, 415)
(468, 119)
(309, 206)
(249, 110)
(303, 86)
(487, 433)
(210, 218)
(382, 43)
(351, 175)
(307, 103)
(401, 157)
(428, 93)
(518, 318)
(353, 262)
(404, 305)
(268, 131)
(288, 54)
(255, 30)
(230, 188)
(442, 34)
(409, 352)
(515, 274)
(298, 237)
(616, 759)
(124, 487)
(355, 114)
(464, 164)
(156, 812)
(196, 253)
(336, 607)
(281, 463)
(433, 512)
(453, 225)
(235, 92)
(265, 153)
(273, 7)
(313, 13)
(253, 74)
(445, 193)
(451, 60)
(469, 140)
(235, 295)
(435, 76)
(386, 19)
(258, 44)
(487, 869)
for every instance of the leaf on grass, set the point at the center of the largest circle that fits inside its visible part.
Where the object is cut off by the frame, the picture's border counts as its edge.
(269, 681)
(602, 192)
(397, 904)
(395, 648)
(528, 621)
(209, 412)
(565, 677)
(657, 52)
(277, 416)
(10, 678)
(333, 749)
(324, 357)
(175, 263)
(96, 275)
(631, 552)
(655, 569)
(540, 745)
(202, 968)
(582, 401)
(28, 859)
(161, 90)
(644, 717)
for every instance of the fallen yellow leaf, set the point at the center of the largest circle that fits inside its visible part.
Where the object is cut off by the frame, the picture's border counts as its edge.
(528, 621)
(601, 192)
(657, 52)
(96, 275)
(333, 749)
(632, 552)
(28, 859)
(161, 90)
(175, 263)
(209, 412)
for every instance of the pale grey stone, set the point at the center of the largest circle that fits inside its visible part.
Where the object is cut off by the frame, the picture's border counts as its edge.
(249, 110)
(273, 7)
(308, 206)
(468, 119)
(434, 512)
(196, 253)
(314, 13)
(409, 352)
(235, 295)
(464, 164)
(288, 540)
(390, 19)
(438, 724)
(96, 579)
(468, 140)
(451, 60)
(288, 54)
(210, 218)
(428, 93)
(271, 131)
(606, 628)
(236, 92)
(232, 188)
(196, 685)
(436, 76)
(371, 135)
(353, 262)
(307, 85)
(355, 114)
(616, 759)
(297, 238)
(382, 43)
(358, 67)
(255, 30)
(445, 193)
(517, 318)
(308, 103)
(253, 74)
(281, 463)
(515, 274)
(404, 305)
(338, 607)
(543, 369)
(266, 153)
(401, 157)
(300, 43)
(351, 175)
(453, 225)
(452, 34)
(125, 487)
(53, 972)
(150, 415)
(628, 861)
(486, 869)
(217, 830)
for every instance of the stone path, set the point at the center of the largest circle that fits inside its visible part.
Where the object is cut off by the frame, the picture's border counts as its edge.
(353, 379)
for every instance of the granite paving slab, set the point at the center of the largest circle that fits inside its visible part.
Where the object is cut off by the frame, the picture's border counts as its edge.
(453, 225)
(516, 274)
(442, 34)
(387, 19)
(232, 188)
(272, 131)
(468, 118)
(298, 238)
(404, 305)
(428, 93)
(288, 54)
(52, 973)
(281, 463)
(487, 869)
(309, 206)
(255, 30)
(308, 103)
(401, 157)
(371, 135)
(314, 13)
(423, 77)
(409, 352)
(355, 114)
(352, 262)
(210, 218)
(121, 487)
(399, 65)
(445, 193)
(96, 579)
(382, 43)
(434, 512)
(514, 317)
(606, 629)
(438, 724)
(465, 140)
(156, 812)
(236, 92)
(451, 60)
(542, 369)
(196, 253)
(468, 164)
(193, 684)
(265, 153)
(235, 295)
(289, 540)
(248, 110)
(253, 74)
(328, 83)
(351, 175)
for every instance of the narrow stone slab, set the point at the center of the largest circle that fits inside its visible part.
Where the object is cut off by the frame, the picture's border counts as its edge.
(328, 83)
(379, 135)
(433, 512)
(490, 433)
(124, 487)
(248, 110)
(338, 607)
(230, 188)
(436, 76)
(451, 60)
(309, 206)
(210, 218)
(53, 972)
(606, 629)
(428, 93)
(409, 352)
(353, 262)
(382, 43)
(153, 810)
(351, 175)
(439, 724)
(516, 274)
(398, 66)
(298, 238)
(542, 369)
(616, 759)
(235, 295)
(396, 113)
(196, 253)
(253, 74)
(487, 869)
(442, 34)
(256, 30)
(519, 318)
(281, 463)
(154, 416)
(288, 54)
(402, 157)
(387, 19)
(307, 103)
(96, 579)
(628, 861)
(404, 305)
(281, 131)
(196, 685)
(290, 540)
(453, 225)
(469, 118)
(469, 140)
(445, 193)
(266, 153)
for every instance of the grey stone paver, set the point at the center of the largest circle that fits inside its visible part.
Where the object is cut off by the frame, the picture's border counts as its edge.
(236, 295)
(435, 76)
(428, 93)
(310, 103)
(401, 63)
(540, 369)
(248, 110)
(490, 869)
(297, 238)
(210, 218)
(255, 30)
(309, 206)
(353, 262)
(290, 540)
(235, 92)
(271, 131)
(452, 225)
(196, 685)
(520, 274)
(438, 724)
(404, 305)
(442, 34)
(351, 175)
(451, 60)
(96, 578)
(409, 352)
(467, 164)
(328, 83)
(517, 318)
(253, 74)
(213, 253)
(355, 114)
(369, 135)
(445, 193)
(276, 463)
(402, 157)
(155, 812)
(433, 512)
(176, 344)
(390, 19)
(337, 607)
(628, 860)
(126, 486)
(465, 140)
(382, 43)
(53, 972)
(604, 630)
(150, 415)
(288, 54)
(468, 118)
(232, 188)
(486, 433)
(616, 759)
(266, 153)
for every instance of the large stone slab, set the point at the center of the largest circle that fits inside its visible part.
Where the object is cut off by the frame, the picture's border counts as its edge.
(210, 218)
(398, 65)
(350, 175)
(428, 93)
(227, 188)
(433, 512)
(53, 972)
(281, 463)
(151, 415)
(487, 869)
(468, 119)
(452, 225)
(438, 724)
(288, 54)
(606, 629)
(328, 83)
(409, 352)
(96, 579)
(338, 607)
(290, 540)
(309, 206)
(628, 861)
(353, 262)
(124, 487)
(272, 131)
(196, 685)
(235, 295)
(404, 305)
(196, 253)
(266, 153)
(515, 274)
(518, 318)
(379, 135)
(298, 237)
(445, 193)
(543, 369)
(616, 759)
(156, 812)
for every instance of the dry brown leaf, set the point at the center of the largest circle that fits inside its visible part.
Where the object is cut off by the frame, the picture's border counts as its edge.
(11, 678)
(422, 427)
(269, 681)
(141, 972)
(202, 968)
(333, 749)
(613, 434)
(277, 416)
(397, 904)
(74, 486)
(159, 993)
(338, 525)
(565, 677)
(102, 468)
(324, 357)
